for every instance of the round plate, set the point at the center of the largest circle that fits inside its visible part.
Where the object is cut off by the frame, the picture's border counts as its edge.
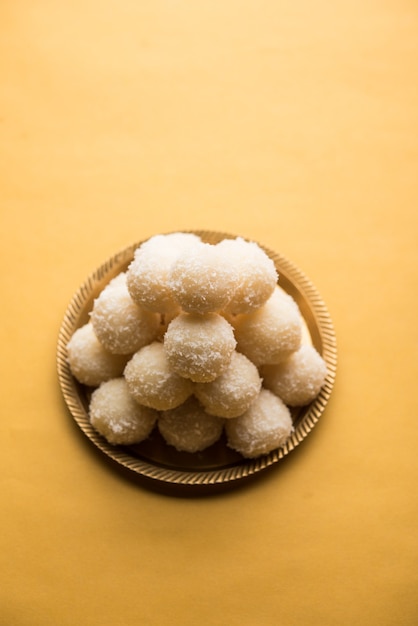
(154, 462)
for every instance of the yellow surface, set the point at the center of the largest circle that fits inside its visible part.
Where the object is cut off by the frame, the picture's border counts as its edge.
(294, 123)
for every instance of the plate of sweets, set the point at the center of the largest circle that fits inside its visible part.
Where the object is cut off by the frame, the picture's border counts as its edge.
(195, 360)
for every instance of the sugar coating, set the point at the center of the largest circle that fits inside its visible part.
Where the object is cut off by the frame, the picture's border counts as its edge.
(89, 362)
(299, 378)
(270, 334)
(257, 274)
(115, 414)
(231, 394)
(189, 428)
(265, 426)
(121, 325)
(148, 273)
(152, 382)
(202, 279)
(199, 347)
(176, 241)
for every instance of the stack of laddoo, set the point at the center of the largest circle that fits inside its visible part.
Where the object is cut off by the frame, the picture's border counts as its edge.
(196, 339)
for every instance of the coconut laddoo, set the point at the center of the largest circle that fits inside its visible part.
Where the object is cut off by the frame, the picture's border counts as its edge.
(265, 426)
(117, 417)
(147, 275)
(202, 279)
(298, 379)
(89, 362)
(189, 428)
(199, 347)
(257, 274)
(231, 394)
(121, 326)
(271, 333)
(152, 382)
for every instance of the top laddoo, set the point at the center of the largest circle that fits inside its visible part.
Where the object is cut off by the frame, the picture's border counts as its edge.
(203, 280)
(147, 275)
(257, 274)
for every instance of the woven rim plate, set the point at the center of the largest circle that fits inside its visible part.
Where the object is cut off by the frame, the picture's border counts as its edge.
(158, 464)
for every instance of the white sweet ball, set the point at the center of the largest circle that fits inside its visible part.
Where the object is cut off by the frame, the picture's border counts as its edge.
(199, 347)
(257, 274)
(148, 273)
(189, 428)
(117, 417)
(152, 382)
(202, 279)
(89, 362)
(121, 326)
(265, 426)
(270, 334)
(233, 391)
(298, 379)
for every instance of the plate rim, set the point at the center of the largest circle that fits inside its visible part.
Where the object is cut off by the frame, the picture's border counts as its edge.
(168, 476)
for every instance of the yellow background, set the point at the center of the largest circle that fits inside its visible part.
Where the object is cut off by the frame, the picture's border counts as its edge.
(294, 123)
